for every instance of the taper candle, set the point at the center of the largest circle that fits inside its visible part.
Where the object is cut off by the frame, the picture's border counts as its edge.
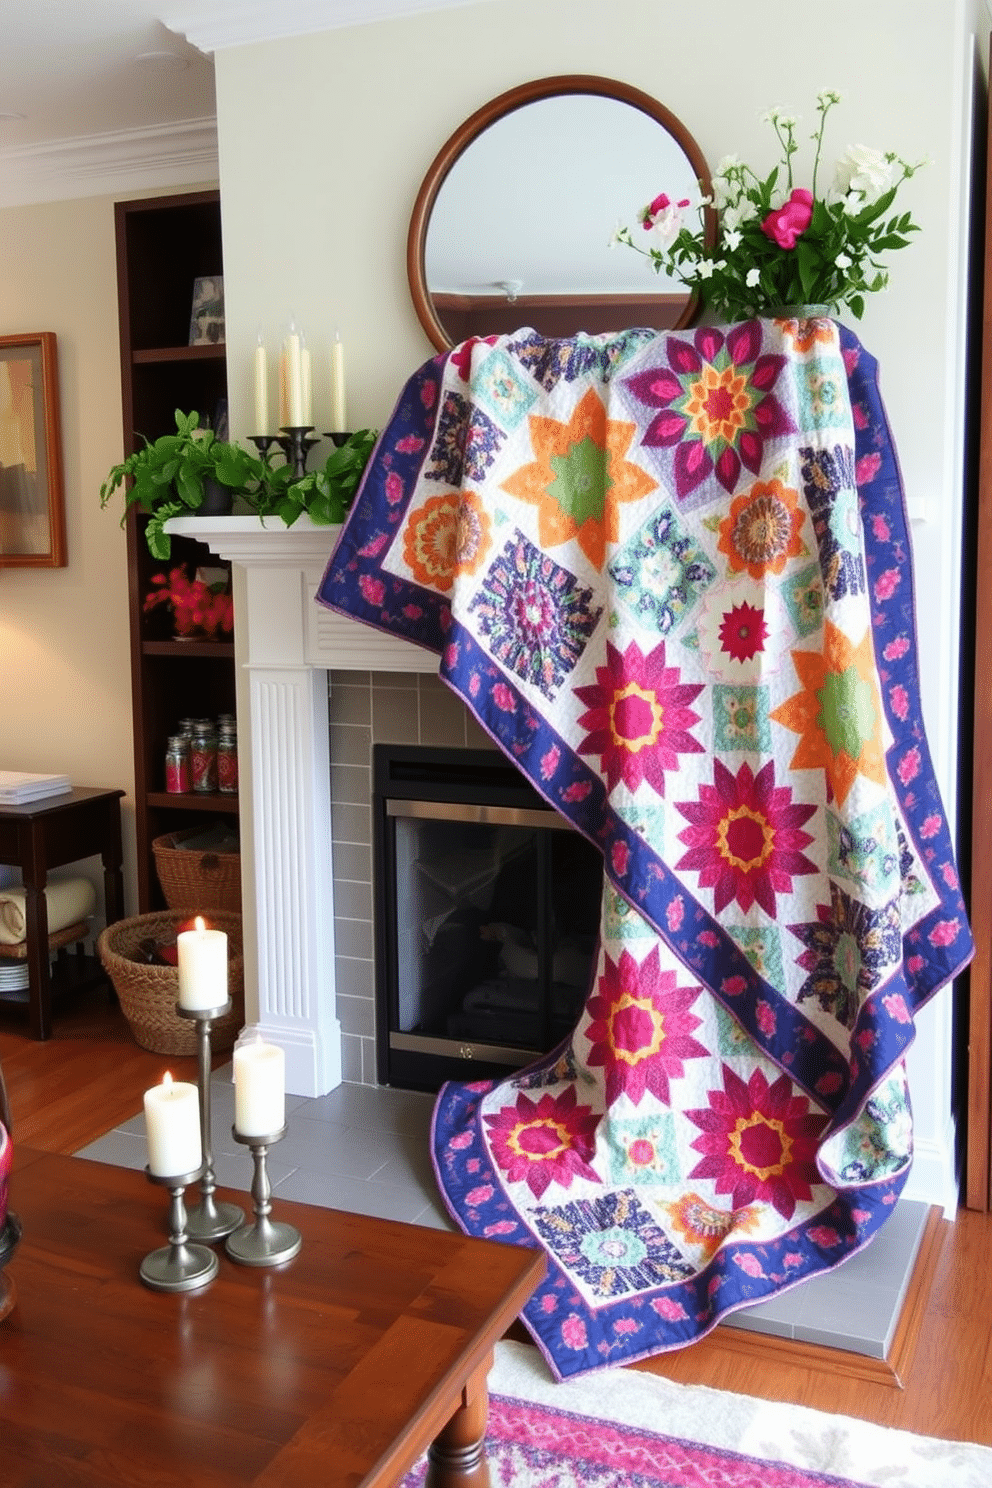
(306, 385)
(172, 1124)
(294, 380)
(339, 423)
(259, 1088)
(202, 957)
(261, 389)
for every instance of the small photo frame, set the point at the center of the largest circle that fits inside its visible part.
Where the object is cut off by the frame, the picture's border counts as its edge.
(206, 322)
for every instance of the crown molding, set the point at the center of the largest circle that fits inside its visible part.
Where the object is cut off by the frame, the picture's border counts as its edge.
(245, 22)
(94, 165)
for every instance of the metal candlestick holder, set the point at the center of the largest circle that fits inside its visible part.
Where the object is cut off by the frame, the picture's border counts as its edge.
(262, 443)
(208, 1220)
(266, 1242)
(337, 436)
(178, 1266)
(295, 446)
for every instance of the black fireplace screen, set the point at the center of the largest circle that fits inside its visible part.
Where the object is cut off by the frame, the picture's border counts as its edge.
(487, 915)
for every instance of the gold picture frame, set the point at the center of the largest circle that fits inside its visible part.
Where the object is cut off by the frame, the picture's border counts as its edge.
(32, 498)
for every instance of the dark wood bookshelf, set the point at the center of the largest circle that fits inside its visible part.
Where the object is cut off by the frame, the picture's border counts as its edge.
(164, 244)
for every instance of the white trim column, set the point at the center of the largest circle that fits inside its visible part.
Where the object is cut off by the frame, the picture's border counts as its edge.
(285, 644)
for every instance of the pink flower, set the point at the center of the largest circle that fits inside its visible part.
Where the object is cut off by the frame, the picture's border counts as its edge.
(909, 766)
(626, 1325)
(930, 827)
(394, 488)
(373, 590)
(550, 762)
(675, 913)
(887, 584)
(410, 444)
(790, 221)
(672, 1312)
(577, 792)
(899, 698)
(944, 933)
(573, 1332)
(504, 699)
(708, 938)
(864, 471)
(792, 1259)
(473, 1165)
(861, 1216)
(733, 986)
(463, 1139)
(548, 1303)
(915, 965)
(749, 1264)
(428, 394)
(896, 649)
(501, 1227)
(827, 1084)
(949, 876)
(879, 525)
(765, 1017)
(374, 546)
(480, 1195)
(823, 1235)
(895, 1006)
(412, 612)
(620, 857)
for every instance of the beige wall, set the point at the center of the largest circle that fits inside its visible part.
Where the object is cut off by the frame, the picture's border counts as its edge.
(65, 682)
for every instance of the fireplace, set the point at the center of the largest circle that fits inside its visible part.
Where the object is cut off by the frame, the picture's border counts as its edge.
(486, 916)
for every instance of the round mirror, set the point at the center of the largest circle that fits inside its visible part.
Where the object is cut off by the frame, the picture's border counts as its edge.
(513, 224)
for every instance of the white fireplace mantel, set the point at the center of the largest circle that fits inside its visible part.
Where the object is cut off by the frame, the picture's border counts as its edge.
(284, 646)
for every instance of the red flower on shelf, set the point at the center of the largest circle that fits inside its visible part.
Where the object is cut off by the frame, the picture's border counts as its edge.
(199, 608)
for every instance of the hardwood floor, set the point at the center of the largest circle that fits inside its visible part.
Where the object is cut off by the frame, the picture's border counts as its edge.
(91, 1075)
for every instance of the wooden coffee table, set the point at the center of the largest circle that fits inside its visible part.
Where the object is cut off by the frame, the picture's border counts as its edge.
(339, 1368)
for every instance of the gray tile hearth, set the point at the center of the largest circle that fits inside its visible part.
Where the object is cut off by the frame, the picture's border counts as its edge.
(366, 1149)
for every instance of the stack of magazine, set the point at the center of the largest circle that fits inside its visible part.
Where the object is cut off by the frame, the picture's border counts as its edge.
(18, 788)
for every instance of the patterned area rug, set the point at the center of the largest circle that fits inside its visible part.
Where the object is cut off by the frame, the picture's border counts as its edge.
(671, 576)
(627, 1429)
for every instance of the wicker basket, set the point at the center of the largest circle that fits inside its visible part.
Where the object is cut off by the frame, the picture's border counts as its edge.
(148, 994)
(195, 881)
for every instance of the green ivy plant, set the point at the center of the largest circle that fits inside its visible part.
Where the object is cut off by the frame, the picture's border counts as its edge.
(168, 476)
(324, 494)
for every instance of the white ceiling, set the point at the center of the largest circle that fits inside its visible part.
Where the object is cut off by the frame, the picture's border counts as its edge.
(109, 92)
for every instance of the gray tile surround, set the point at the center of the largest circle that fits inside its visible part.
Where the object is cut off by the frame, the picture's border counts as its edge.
(366, 1149)
(366, 708)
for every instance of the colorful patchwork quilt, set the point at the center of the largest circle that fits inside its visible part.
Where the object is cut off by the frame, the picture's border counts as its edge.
(670, 574)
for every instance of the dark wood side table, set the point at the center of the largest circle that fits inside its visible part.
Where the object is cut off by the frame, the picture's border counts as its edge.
(49, 833)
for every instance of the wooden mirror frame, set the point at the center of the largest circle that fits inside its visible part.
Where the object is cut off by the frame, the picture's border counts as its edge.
(497, 108)
(40, 350)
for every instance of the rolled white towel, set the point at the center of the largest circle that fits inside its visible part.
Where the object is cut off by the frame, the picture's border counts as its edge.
(68, 899)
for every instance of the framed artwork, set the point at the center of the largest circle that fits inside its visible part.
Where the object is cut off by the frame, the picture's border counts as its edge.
(32, 500)
(206, 321)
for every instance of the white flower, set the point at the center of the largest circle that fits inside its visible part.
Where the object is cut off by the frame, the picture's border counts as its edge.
(667, 225)
(843, 261)
(870, 172)
(739, 212)
(732, 239)
(752, 278)
(705, 268)
(826, 97)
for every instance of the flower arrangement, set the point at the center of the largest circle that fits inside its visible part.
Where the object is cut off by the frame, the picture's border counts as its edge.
(780, 244)
(199, 607)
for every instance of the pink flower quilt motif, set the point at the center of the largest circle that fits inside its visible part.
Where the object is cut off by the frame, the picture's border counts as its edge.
(718, 406)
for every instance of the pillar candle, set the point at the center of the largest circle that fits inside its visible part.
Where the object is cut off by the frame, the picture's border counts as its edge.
(261, 390)
(283, 405)
(294, 381)
(339, 423)
(259, 1088)
(202, 967)
(172, 1124)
